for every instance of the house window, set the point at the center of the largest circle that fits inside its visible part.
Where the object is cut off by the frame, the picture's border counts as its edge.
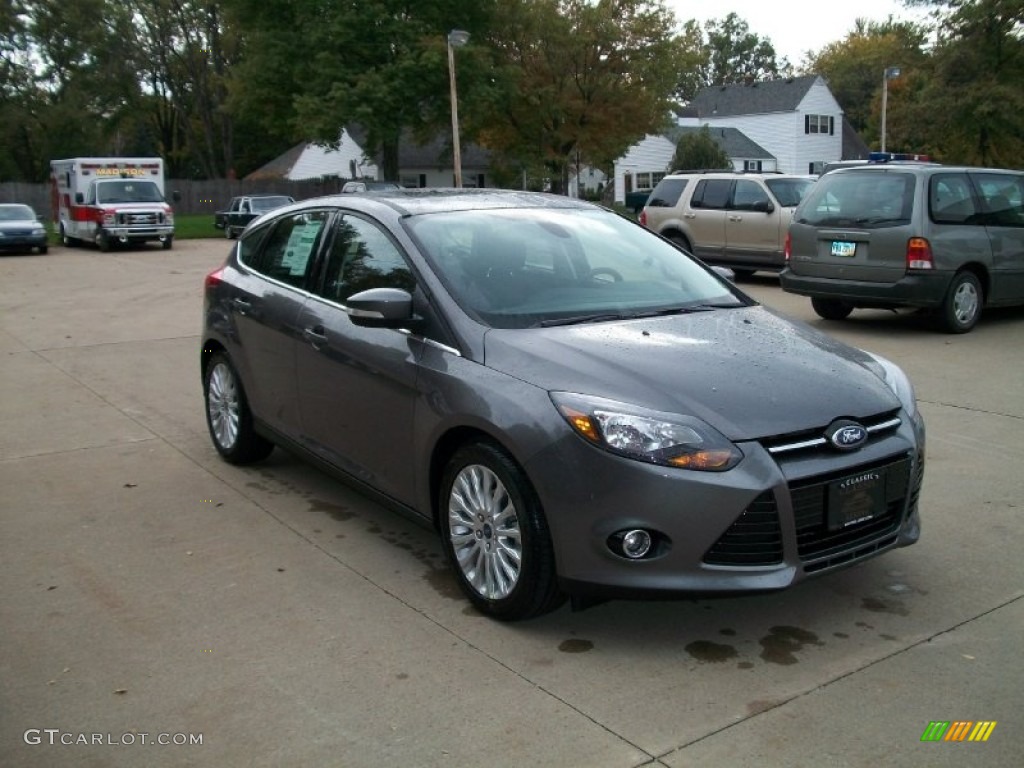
(649, 180)
(752, 165)
(819, 124)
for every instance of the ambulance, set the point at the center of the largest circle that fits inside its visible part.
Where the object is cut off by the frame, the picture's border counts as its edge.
(109, 201)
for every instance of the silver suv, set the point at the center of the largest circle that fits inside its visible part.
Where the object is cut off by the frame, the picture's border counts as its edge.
(735, 219)
(948, 238)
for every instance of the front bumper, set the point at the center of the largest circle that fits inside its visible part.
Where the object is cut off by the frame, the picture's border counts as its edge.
(22, 240)
(137, 233)
(917, 289)
(770, 510)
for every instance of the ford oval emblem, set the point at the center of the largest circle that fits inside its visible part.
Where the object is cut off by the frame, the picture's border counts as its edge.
(846, 435)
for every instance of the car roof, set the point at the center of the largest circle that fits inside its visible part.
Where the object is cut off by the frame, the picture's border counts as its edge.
(413, 202)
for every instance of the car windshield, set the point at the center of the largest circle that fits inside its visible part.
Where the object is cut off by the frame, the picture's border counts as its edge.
(128, 191)
(16, 213)
(789, 192)
(858, 198)
(530, 267)
(269, 203)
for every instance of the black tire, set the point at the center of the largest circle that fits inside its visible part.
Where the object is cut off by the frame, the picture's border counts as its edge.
(831, 309)
(69, 242)
(43, 249)
(103, 242)
(167, 243)
(472, 529)
(743, 274)
(961, 308)
(682, 242)
(228, 416)
(227, 232)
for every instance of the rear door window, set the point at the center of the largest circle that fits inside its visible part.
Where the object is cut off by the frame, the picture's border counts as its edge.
(711, 193)
(1002, 197)
(747, 194)
(951, 199)
(288, 252)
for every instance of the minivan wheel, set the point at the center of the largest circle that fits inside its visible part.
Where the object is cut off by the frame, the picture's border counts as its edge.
(962, 306)
(228, 416)
(831, 309)
(495, 535)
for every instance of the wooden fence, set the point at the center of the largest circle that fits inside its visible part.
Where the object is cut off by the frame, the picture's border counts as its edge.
(199, 197)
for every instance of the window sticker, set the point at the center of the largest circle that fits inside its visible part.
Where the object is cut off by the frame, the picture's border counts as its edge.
(300, 246)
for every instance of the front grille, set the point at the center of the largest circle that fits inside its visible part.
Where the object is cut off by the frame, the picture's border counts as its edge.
(755, 538)
(139, 219)
(819, 547)
(814, 439)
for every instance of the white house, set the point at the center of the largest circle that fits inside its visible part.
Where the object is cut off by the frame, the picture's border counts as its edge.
(420, 165)
(795, 122)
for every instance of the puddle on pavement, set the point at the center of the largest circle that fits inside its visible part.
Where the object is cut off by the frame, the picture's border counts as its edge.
(782, 643)
(714, 653)
(575, 645)
(339, 512)
(884, 606)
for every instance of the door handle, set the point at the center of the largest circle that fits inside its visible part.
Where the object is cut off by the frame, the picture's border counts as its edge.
(242, 305)
(315, 335)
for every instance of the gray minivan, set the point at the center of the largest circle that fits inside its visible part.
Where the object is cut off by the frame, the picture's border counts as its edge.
(942, 237)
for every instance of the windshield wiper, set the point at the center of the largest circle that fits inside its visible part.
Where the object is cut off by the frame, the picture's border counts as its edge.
(580, 319)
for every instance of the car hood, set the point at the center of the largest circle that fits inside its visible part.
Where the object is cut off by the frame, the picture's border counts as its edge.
(747, 372)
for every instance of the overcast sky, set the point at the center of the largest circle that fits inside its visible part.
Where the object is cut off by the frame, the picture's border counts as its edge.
(795, 26)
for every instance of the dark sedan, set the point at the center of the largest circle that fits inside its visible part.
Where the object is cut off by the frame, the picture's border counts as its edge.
(578, 406)
(21, 229)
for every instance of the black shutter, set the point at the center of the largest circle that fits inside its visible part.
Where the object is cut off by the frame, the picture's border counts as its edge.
(831, 126)
(807, 123)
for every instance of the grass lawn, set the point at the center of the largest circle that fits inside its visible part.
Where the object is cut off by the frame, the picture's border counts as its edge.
(186, 227)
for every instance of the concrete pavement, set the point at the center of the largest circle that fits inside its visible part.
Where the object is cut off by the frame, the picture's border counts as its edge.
(149, 588)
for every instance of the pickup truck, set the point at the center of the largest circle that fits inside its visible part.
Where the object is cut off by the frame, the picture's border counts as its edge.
(244, 209)
(637, 199)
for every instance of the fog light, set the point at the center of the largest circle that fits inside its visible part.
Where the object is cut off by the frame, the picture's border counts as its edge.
(636, 544)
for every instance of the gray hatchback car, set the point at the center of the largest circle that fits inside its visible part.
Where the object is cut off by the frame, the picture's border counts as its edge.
(578, 406)
(910, 235)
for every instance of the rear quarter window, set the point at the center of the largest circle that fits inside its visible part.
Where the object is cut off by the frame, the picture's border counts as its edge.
(667, 193)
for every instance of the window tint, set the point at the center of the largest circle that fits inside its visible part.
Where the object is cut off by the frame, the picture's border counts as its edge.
(666, 194)
(865, 199)
(711, 193)
(950, 199)
(1002, 196)
(288, 252)
(789, 192)
(362, 257)
(747, 193)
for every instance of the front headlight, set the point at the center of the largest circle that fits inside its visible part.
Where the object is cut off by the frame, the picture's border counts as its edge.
(658, 438)
(896, 380)
(38, 231)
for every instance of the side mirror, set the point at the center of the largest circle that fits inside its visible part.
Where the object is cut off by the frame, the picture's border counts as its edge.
(79, 198)
(762, 206)
(380, 308)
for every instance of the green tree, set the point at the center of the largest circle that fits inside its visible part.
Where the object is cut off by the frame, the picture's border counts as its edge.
(578, 81)
(697, 150)
(737, 55)
(972, 106)
(854, 67)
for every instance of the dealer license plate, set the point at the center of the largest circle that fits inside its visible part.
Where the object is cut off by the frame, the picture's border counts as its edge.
(856, 499)
(843, 248)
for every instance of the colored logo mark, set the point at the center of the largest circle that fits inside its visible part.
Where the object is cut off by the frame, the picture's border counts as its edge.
(958, 730)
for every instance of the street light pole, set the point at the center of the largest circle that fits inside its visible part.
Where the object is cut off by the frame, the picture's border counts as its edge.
(456, 39)
(889, 74)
